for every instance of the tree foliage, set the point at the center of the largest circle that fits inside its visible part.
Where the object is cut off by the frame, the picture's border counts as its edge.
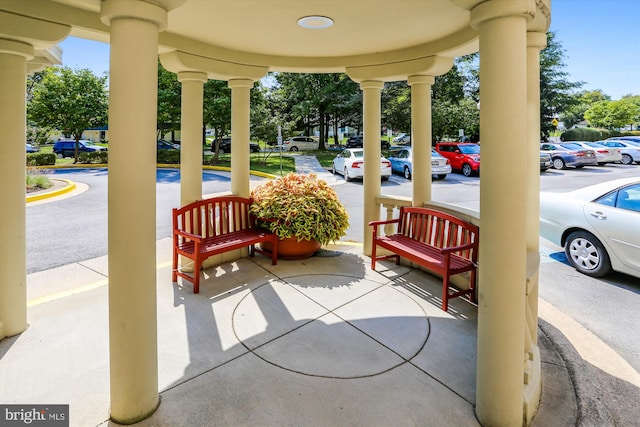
(574, 114)
(317, 100)
(557, 93)
(70, 101)
(169, 99)
(613, 114)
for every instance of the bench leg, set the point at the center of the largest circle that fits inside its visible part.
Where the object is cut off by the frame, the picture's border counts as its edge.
(373, 255)
(196, 275)
(174, 268)
(445, 292)
(472, 286)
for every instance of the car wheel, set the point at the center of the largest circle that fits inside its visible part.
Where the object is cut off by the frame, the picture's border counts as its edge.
(441, 176)
(585, 252)
(60, 156)
(558, 163)
(385, 178)
(407, 172)
(466, 170)
(626, 159)
(346, 175)
(294, 149)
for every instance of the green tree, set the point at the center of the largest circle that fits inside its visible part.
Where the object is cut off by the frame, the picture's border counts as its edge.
(396, 106)
(169, 99)
(310, 100)
(70, 101)
(613, 114)
(575, 113)
(557, 93)
(217, 111)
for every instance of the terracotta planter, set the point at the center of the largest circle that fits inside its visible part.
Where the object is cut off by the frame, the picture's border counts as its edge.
(290, 248)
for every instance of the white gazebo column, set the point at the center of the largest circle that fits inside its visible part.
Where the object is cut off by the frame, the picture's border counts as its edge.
(240, 123)
(13, 265)
(191, 136)
(133, 86)
(371, 181)
(503, 203)
(421, 137)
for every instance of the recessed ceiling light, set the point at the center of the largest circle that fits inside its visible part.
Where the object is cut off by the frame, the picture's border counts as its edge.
(315, 22)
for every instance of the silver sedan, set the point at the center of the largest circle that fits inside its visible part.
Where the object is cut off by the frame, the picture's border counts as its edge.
(598, 226)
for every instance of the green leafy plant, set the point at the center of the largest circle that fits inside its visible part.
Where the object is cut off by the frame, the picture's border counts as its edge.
(41, 159)
(37, 180)
(301, 206)
(99, 157)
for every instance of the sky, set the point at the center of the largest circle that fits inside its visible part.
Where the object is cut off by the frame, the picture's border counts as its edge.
(601, 40)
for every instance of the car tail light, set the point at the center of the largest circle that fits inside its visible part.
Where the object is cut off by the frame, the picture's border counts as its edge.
(386, 164)
(447, 162)
(356, 165)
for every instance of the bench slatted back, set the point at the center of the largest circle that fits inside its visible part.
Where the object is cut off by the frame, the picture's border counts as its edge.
(438, 229)
(214, 217)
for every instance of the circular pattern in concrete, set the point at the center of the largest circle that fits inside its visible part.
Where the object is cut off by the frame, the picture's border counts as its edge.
(358, 329)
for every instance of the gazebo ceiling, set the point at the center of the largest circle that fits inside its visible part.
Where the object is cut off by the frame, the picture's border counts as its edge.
(266, 33)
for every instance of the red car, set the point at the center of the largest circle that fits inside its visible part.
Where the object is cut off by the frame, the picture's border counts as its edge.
(463, 156)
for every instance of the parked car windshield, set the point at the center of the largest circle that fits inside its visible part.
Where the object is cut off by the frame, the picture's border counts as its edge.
(469, 149)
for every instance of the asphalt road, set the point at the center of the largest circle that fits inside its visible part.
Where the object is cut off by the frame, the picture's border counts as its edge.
(75, 229)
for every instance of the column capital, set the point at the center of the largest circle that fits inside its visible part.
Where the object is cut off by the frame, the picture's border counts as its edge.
(371, 84)
(536, 39)
(501, 9)
(189, 76)
(237, 83)
(142, 10)
(422, 79)
(14, 47)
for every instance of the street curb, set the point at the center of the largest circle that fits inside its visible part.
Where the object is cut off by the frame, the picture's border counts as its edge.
(54, 193)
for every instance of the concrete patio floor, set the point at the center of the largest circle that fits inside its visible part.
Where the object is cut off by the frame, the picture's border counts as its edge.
(318, 342)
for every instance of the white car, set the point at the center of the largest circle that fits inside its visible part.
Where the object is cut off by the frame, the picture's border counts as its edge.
(598, 226)
(604, 154)
(350, 164)
(298, 143)
(630, 150)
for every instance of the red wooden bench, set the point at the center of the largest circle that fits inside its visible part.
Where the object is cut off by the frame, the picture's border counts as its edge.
(212, 226)
(435, 240)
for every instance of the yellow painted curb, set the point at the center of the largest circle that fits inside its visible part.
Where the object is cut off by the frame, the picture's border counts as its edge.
(80, 289)
(41, 196)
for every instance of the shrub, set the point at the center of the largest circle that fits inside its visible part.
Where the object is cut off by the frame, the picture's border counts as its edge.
(99, 157)
(41, 159)
(586, 134)
(168, 156)
(36, 179)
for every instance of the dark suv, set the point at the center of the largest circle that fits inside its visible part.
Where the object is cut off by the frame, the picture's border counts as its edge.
(67, 147)
(357, 141)
(225, 146)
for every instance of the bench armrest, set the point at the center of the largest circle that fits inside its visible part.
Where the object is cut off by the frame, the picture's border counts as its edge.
(375, 224)
(189, 236)
(458, 248)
